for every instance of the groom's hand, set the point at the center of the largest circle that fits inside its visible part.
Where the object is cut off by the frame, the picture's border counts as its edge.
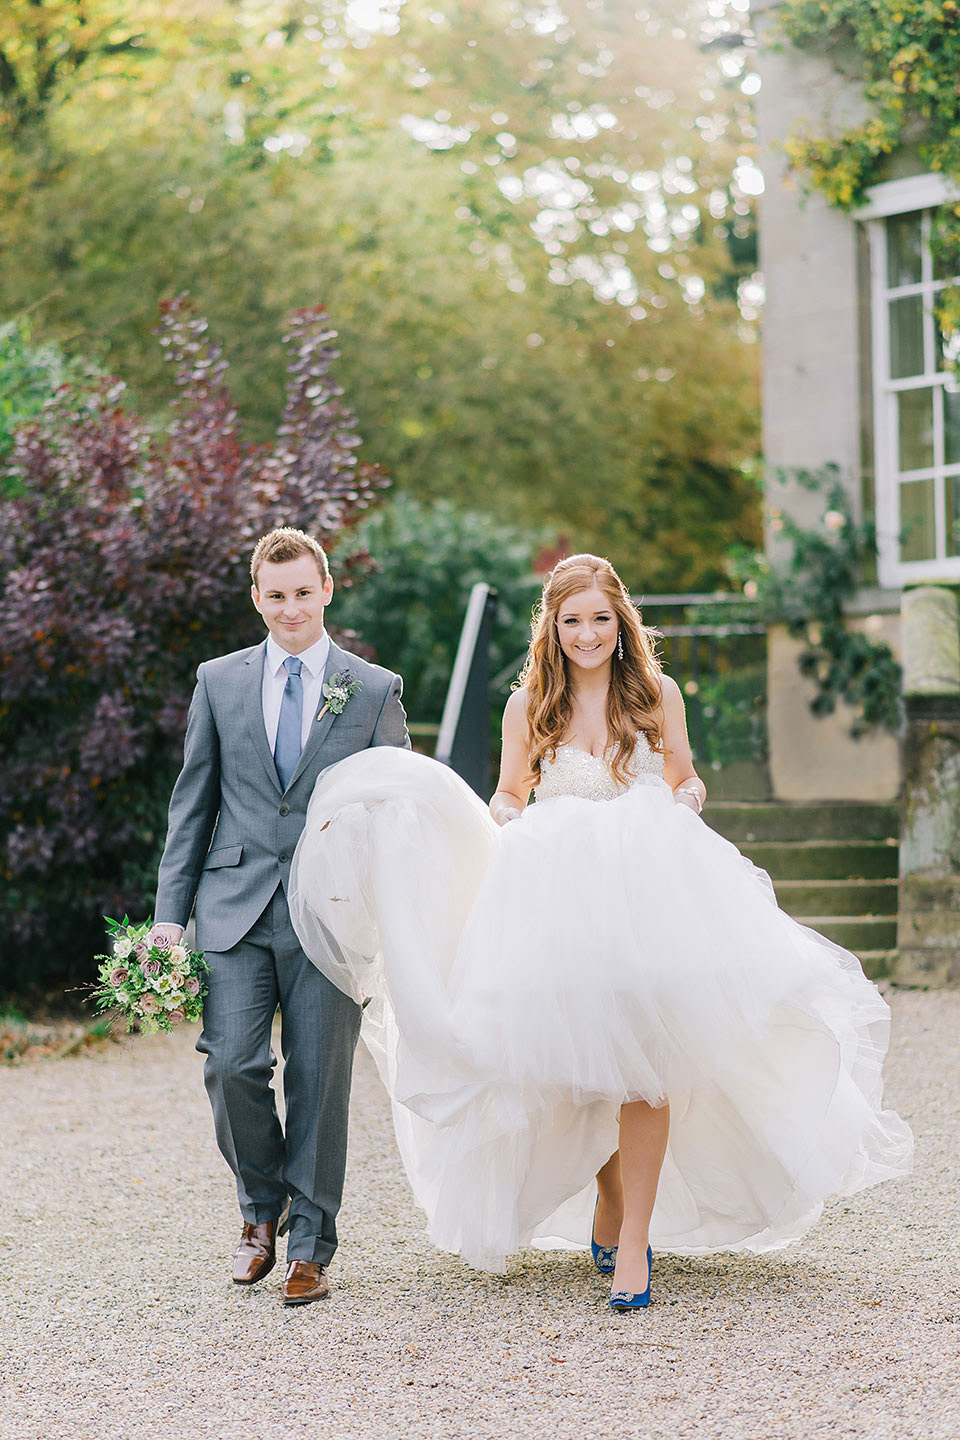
(169, 934)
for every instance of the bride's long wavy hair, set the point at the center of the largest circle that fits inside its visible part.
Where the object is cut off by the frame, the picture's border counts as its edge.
(633, 699)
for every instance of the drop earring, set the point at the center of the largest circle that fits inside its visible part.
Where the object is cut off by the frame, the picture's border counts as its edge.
(619, 645)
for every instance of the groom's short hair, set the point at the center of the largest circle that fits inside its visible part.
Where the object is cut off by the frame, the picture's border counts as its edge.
(283, 544)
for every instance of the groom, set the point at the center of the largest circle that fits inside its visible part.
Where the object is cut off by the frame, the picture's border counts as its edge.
(262, 726)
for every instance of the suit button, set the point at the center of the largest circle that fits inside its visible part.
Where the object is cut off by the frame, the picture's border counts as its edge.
(284, 809)
(283, 858)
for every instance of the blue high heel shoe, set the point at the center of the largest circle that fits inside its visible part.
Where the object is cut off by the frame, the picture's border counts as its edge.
(622, 1300)
(604, 1256)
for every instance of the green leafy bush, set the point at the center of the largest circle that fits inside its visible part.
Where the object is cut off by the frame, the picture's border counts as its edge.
(30, 375)
(410, 609)
(123, 563)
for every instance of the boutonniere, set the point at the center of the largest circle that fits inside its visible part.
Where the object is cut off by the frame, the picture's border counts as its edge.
(337, 691)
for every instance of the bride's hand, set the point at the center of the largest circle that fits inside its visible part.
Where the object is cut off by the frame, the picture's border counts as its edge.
(690, 793)
(505, 806)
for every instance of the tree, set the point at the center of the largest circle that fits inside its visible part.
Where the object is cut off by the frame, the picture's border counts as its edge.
(47, 47)
(524, 226)
(124, 551)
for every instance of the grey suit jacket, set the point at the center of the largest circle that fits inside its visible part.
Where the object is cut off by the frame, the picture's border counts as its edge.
(232, 828)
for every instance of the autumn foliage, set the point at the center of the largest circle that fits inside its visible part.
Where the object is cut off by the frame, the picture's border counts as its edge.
(125, 547)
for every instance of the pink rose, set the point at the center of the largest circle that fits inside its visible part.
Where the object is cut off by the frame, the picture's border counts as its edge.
(140, 949)
(191, 985)
(176, 1017)
(151, 967)
(161, 942)
(119, 976)
(149, 1004)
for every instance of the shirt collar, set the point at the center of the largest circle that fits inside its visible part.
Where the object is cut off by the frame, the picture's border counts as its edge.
(314, 658)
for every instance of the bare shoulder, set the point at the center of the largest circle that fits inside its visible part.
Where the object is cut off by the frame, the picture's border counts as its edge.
(515, 711)
(671, 695)
(672, 708)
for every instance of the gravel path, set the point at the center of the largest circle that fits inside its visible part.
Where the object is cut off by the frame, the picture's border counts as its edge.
(117, 1316)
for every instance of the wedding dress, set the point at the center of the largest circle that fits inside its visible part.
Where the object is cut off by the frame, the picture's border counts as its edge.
(607, 946)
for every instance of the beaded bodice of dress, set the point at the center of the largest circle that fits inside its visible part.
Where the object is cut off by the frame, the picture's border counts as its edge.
(577, 772)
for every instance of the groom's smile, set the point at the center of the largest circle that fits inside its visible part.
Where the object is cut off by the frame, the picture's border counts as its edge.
(291, 598)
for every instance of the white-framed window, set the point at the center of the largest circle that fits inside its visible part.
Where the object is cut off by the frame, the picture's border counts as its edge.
(916, 394)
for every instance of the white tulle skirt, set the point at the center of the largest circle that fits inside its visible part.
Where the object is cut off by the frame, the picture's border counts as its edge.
(523, 983)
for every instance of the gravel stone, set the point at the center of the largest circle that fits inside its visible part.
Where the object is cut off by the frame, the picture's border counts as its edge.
(118, 1317)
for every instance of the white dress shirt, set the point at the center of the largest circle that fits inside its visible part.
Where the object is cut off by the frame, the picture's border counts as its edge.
(314, 662)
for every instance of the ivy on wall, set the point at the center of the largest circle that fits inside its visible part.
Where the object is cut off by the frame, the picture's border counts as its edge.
(906, 56)
(906, 53)
(809, 592)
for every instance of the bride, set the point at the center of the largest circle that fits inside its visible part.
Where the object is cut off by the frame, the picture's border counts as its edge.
(589, 1013)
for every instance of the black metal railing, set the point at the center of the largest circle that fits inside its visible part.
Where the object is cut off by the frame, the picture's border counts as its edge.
(715, 647)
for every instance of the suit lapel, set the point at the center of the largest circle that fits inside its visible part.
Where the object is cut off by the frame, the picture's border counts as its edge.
(252, 686)
(337, 660)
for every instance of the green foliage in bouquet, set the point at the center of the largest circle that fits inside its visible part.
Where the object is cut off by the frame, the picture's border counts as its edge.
(150, 984)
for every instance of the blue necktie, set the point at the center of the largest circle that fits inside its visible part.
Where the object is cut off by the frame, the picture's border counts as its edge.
(286, 752)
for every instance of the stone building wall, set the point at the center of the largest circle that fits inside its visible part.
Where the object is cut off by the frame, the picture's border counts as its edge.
(815, 349)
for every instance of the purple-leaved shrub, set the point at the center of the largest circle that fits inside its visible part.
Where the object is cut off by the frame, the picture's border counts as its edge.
(124, 551)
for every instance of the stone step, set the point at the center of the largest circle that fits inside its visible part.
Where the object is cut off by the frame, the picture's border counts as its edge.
(826, 860)
(742, 821)
(877, 964)
(873, 932)
(739, 780)
(837, 897)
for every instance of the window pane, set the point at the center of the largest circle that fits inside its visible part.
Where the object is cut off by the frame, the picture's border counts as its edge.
(917, 528)
(906, 337)
(952, 486)
(916, 429)
(951, 426)
(904, 266)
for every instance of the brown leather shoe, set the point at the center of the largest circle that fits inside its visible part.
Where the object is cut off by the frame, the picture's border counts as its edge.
(256, 1254)
(305, 1282)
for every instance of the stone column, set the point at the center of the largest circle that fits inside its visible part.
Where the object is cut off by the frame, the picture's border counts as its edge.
(929, 909)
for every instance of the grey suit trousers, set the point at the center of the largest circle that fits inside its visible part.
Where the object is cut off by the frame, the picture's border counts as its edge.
(319, 1030)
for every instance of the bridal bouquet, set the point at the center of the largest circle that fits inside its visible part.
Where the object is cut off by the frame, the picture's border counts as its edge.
(151, 983)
